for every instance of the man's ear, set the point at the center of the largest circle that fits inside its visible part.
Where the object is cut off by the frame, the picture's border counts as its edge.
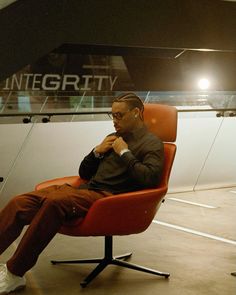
(136, 112)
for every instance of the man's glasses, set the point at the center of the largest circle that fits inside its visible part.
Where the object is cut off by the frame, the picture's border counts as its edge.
(118, 116)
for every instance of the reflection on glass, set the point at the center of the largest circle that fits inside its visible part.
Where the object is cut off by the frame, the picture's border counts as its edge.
(73, 102)
(24, 104)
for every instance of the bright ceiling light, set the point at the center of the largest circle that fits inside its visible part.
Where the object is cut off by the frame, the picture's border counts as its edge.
(203, 83)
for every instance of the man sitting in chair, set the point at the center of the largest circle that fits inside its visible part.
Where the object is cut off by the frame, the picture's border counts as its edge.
(127, 160)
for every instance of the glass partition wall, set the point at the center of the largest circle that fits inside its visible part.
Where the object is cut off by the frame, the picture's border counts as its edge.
(15, 106)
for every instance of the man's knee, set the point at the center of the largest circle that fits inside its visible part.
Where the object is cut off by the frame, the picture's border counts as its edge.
(19, 209)
(17, 202)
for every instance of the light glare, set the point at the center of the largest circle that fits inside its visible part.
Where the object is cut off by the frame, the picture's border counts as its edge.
(203, 83)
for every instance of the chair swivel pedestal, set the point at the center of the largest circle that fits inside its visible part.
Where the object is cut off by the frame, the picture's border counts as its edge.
(109, 259)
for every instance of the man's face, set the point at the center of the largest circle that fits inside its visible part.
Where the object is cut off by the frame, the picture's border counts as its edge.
(123, 118)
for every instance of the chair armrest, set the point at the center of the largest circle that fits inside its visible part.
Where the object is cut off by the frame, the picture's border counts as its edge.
(74, 181)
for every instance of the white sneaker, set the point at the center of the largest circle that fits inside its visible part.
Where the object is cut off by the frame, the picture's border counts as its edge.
(9, 282)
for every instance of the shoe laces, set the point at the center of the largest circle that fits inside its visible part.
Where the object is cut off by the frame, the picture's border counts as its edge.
(3, 271)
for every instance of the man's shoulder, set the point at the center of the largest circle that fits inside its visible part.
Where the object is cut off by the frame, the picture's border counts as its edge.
(151, 136)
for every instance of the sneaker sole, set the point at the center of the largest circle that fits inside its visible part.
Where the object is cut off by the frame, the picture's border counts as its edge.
(16, 289)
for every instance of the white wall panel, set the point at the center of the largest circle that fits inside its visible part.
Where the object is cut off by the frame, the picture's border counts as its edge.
(12, 137)
(220, 167)
(196, 133)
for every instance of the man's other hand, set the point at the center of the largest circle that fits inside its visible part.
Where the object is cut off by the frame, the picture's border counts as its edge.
(106, 144)
(119, 144)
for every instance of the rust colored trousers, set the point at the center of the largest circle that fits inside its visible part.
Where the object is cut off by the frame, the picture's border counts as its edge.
(44, 211)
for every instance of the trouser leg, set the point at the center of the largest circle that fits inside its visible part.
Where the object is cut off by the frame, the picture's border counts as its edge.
(16, 214)
(58, 206)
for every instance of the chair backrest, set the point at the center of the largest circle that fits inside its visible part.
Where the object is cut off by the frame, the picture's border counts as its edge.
(161, 120)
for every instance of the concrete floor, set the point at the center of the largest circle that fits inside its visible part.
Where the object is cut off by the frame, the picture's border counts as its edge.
(199, 262)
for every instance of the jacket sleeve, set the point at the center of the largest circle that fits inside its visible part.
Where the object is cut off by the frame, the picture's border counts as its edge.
(88, 167)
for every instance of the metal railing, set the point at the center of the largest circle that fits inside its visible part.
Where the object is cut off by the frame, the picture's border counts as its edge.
(46, 116)
(26, 106)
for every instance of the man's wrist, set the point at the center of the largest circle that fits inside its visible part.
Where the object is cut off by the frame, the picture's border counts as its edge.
(122, 152)
(97, 155)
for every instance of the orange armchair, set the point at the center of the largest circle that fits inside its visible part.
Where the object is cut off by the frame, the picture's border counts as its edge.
(126, 213)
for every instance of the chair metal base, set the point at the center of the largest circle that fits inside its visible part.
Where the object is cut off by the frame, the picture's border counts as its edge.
(109, 259)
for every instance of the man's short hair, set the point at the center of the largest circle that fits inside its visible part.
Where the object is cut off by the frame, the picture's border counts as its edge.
(132, 100)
